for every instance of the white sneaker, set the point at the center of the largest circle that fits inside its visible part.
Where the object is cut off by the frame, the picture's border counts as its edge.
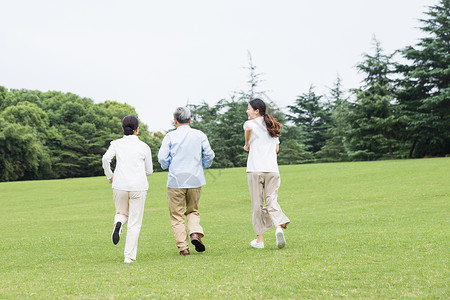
(254, 244)
(281, 242)
(128, 260)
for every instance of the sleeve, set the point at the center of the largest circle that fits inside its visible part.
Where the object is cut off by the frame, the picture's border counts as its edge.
(207, 153)
(148, 161)
(277, 140)
(247, 125)
(164, 157)
(106, 160)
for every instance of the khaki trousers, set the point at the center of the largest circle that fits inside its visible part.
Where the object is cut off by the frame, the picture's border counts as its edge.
(184, 202)
(130, 208)
(263, 187)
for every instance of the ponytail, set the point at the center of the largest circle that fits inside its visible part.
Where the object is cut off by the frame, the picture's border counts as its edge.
(272, 125)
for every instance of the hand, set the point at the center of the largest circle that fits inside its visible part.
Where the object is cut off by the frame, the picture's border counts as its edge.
(110, 180)
(247, 147)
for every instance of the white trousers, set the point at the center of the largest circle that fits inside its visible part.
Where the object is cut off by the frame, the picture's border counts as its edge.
(130, 208)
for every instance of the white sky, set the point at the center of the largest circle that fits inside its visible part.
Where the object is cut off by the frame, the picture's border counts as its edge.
(157, 55)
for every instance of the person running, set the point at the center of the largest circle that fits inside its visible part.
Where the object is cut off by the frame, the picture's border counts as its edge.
(186, 153)
(129, 183)
(261, 140)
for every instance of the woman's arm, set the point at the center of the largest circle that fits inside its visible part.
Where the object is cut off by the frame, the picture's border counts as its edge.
(148, 161)
(248, 134)
(106, 162)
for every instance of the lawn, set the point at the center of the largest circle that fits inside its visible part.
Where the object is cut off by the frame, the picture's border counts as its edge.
(358, 230)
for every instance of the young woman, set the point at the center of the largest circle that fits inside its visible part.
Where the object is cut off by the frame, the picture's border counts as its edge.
(129, 183)
(261, 140)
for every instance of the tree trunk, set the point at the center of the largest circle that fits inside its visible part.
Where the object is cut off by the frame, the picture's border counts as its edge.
(412, 147)
(391, 153)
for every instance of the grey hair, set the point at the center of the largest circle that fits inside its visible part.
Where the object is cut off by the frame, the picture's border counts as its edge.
(182, 115)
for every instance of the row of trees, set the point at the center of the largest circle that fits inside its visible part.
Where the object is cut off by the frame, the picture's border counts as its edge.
(56, 135)
(400, 110)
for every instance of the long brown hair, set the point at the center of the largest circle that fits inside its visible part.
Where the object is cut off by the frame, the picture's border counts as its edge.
(272, 125)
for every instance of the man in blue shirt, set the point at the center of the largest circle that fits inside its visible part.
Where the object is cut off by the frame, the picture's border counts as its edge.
(186, 152)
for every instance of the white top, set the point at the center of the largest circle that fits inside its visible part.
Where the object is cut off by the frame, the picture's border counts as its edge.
(186, 152)
(262, 156)
(133, 163)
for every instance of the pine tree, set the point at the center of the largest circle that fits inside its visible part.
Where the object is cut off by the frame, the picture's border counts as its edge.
(424, 92)
(334, 149)
(310, 113)
(374, 117)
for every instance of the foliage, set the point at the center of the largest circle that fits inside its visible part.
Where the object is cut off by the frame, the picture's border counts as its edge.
(374, 118)
(335, 147)
(56, 135)
(21, 153)
(222, 123)
(312, 114)
(424, 90)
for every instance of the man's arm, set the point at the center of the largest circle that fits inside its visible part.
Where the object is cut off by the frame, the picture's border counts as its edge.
(164, 153)
(207, 153)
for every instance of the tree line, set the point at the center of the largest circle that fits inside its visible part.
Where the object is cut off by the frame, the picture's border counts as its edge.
(56, 135)
(401, 110)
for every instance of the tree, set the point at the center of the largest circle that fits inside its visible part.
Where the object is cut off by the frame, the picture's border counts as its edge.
(222, 123)
(3, 93)
(374, 117)
(424, 92)
(21, 154)
(292, 149)
(28, 114)
(253, 81)
(59, 135)
(335, 148)
(312, 115)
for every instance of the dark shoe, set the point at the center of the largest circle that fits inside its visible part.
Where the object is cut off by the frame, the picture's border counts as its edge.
(284, 226)
(116, 233)
(185, 252)
(197, 242)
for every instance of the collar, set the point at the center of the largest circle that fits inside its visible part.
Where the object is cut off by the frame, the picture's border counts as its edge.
(183, 126)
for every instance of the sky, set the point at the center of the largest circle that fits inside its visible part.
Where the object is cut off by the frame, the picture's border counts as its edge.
(158, 55)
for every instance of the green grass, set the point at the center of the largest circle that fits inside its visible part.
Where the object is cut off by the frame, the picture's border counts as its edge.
(359, 230)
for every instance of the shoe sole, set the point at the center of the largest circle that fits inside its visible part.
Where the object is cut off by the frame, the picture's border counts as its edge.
(199, 247)
(281, 242)
(116, 233)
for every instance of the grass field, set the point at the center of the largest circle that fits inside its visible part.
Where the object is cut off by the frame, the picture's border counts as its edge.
(359, 230)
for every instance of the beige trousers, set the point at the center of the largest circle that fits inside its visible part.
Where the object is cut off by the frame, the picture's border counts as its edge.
(130, 208)
(263, 187)
(184, 202)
